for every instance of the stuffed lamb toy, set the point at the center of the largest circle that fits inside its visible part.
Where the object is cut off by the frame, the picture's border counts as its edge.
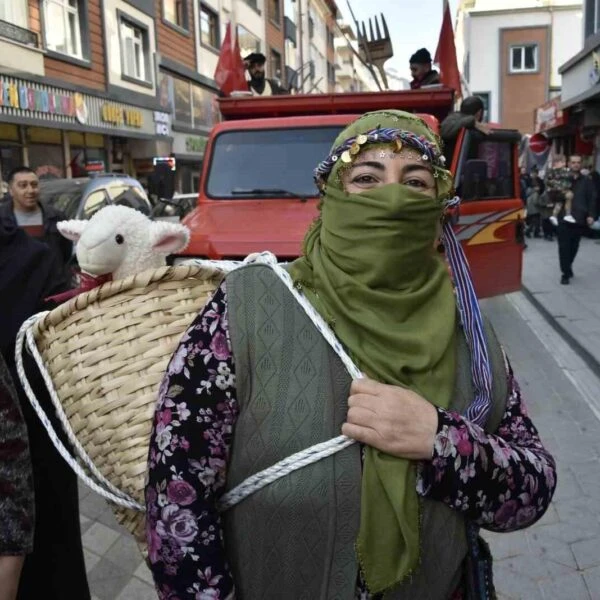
(119, 241)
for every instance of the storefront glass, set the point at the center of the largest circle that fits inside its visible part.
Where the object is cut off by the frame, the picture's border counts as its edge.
(47, 161)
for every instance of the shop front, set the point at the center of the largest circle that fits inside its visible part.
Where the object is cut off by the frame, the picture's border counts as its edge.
(579, 99)
(194, 111)
(61, 133)
(552, 121)
(188, 150)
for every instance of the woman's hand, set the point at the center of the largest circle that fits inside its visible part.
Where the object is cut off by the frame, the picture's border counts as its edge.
(392, 419)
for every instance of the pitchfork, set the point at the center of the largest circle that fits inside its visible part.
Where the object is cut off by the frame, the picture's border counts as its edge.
(377, 48)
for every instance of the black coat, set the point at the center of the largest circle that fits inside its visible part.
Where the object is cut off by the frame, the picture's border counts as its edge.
(29, 272)
(61, 246)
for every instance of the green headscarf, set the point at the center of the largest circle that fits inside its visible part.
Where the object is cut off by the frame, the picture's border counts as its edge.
(370, 269)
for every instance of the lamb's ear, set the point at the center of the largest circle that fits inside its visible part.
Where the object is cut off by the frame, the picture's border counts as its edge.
(72, 229)
(168, 238)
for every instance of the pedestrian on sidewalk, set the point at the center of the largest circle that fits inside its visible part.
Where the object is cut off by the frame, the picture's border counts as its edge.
(254, 381)
(54, 570)
(583, 213)
(16, 488)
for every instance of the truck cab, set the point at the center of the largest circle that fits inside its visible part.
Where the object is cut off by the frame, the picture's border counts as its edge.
(257, 190)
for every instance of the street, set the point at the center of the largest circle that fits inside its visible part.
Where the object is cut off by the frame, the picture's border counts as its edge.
(556, 559)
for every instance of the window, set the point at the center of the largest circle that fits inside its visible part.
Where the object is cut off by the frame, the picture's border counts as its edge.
(209, 27)
(193, 104)
(592, 17)
(330, 72)
(248, 42)
(233, 163)
(252, 4)
(134, 49)
(94, 202)
(275, 11)
(488, 170)
(330, 39)
(175, 12)
(524, 59)
(276, 65)
(311, 28)
(14, 11)
(62, 27)
(485, 96)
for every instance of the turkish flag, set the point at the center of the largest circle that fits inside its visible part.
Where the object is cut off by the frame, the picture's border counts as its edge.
(445, 55)
(230, 74)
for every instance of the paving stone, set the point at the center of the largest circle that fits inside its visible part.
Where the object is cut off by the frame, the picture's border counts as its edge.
(99, 538)
(592, 580)
(507, 545)
(107, 580)
(92, 506)
(125, 553)
(136, 589)
(565, 587)
(587, 553)
(515, 585)
(143, 573)
(91, 559)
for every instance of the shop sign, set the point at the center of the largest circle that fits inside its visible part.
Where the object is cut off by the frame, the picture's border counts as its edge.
(115, 114)
(548, 116)
(195, 144)
(162, 122)
(41, 99)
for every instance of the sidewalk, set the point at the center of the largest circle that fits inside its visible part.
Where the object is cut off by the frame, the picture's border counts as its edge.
(574, 309)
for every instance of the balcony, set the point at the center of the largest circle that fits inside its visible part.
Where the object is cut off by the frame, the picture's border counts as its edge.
(14, 33)
(289, 28)
(20, 51)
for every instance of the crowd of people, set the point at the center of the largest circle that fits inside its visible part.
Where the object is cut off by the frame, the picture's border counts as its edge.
(563, 204)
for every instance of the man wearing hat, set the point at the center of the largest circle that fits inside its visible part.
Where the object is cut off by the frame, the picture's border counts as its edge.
(259, 84)
(421, 71)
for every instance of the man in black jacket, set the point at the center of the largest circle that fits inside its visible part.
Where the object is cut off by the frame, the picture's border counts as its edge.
(421, 70)
(470, 116)
(25, 210)
(583, 211)
(259, 84)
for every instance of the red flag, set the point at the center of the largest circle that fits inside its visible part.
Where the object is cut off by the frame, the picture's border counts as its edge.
(230, 74)
(445, 55)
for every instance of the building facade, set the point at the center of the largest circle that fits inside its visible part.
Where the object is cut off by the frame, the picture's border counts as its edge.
(510, 54)
(91, 85)
(581, 88)
(351, 74)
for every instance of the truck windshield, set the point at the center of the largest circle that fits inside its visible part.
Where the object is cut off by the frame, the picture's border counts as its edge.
(268, 159)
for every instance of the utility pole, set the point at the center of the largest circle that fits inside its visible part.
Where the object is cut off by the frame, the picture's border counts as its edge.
(301, 41)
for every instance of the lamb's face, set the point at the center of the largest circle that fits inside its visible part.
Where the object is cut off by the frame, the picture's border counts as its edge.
(121, 241)
(105, 242)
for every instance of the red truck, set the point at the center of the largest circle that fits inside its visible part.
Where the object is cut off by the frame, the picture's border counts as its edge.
(257, 192)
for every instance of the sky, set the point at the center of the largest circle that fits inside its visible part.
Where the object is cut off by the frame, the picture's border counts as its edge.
(413, 24)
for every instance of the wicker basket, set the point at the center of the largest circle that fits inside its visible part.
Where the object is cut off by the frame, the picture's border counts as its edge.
(106, 352)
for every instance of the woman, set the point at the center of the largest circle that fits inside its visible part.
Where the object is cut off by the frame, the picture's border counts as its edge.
(253, 382)
(16, 489)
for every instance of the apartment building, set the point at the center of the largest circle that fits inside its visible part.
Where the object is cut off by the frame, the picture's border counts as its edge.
(510, 53)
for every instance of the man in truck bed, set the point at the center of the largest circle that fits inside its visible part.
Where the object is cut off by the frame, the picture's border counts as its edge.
(259, 84)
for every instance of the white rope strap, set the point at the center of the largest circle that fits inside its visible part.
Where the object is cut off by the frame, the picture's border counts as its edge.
(247, 487)
(104, 487)
(314, 453)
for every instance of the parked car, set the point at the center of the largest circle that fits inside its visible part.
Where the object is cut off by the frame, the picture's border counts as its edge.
(81, 197)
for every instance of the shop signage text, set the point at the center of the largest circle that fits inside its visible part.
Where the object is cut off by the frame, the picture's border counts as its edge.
(27, 98)
(162, 122)
(195, 144)
(549, 116)
(118, 115)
